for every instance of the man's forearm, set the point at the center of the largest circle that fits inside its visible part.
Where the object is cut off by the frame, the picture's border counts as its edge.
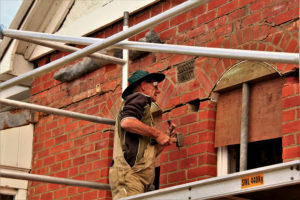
(135, 126)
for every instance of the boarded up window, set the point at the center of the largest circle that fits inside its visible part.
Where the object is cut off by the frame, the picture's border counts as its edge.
(264, 113)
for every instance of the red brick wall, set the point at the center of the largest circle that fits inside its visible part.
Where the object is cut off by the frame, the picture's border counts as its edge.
(291, 120)
(76, 149)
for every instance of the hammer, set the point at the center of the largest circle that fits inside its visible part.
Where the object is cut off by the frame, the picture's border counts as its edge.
(178, 137)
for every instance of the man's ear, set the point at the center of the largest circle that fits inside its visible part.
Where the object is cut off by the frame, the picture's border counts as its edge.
(142, 85)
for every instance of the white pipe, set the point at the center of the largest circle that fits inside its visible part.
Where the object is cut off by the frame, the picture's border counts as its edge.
(244, 126)
(105, 43)
(55, 180)
(239, 54)
(125, 54)
(56, 111)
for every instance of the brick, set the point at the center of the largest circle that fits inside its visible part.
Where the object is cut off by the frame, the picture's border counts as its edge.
(188, 163)
(291, 153)
(73, 171)
(197, 31)
(196, 12)
(223, 30)
(177, 176)
(228, 7)
(62, 174)
(288, 115)
(104, 172)
(168, 34)
(87, 149)
(90, 195)
(164, 157)
(256, 6)
(287, 16)
(202, 171)
(77, 196)
(206, 137)
(67, 163)
(207, 159)
(291, 102)
(45, 136)
(217, 22)
(201, 126)
(186, 26)
(189, 96)
(49, 160)
(191, 139)
(62, 156)
(288, 140)
(201, 148)
(215, 3)
(43, 153)
(169, 167)
(179, 111)
(291, 127)
(88, 130)
(245, 2)
(60, 193)
(93, 175)
(106, 153)
(176, 155)
(61, 139)
(177, 59)
(56, 149)
(292, 46)
(285, 41)
(85, 168)
(102, 144)
(71, 127)
(162, 27)
(51, 125)
(298, 138)
(55, 167)
(237, 14)
(101, 163)
(188, 119)
(251, 19)
(178, 20)
(79, 160)
(207, 17)
(47, 196)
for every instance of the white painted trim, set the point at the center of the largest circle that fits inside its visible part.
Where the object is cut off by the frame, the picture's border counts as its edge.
(222, 161)
(112, 12)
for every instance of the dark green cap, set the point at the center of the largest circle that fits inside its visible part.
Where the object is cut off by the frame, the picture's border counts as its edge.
(139, 76)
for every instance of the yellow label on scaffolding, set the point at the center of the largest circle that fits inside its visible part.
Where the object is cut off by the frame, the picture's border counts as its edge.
(251, 181)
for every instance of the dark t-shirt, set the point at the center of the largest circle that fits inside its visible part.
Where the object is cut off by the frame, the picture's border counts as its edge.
(134, 107)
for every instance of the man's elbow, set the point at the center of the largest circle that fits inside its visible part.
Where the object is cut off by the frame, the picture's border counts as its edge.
(126, 123)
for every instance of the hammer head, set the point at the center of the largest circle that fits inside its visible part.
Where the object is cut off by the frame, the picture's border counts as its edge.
(179, 137)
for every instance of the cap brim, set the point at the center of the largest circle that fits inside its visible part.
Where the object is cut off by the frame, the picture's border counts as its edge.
(153, 76)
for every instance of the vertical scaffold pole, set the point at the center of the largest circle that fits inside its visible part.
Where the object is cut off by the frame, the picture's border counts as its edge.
(244, 127)
(125, 53)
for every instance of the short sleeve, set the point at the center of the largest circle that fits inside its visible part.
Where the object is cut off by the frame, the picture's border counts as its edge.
(134, 106)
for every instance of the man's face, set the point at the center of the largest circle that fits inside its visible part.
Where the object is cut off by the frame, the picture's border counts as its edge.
(150, 88)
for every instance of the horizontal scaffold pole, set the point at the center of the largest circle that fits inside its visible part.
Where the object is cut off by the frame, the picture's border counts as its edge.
(56, 111)
(68, 48)
(104, 43)
(239, 54)
(50, 179)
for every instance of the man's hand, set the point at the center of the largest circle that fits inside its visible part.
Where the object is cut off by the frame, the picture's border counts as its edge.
(135, 126)
(163, 139)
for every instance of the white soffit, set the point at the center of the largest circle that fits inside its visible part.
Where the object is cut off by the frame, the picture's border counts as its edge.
(86, 17)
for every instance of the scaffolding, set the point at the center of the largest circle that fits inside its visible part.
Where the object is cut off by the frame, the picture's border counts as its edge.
(197, 190)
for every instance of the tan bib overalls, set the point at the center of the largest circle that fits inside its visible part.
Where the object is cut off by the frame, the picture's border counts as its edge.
(124, 180)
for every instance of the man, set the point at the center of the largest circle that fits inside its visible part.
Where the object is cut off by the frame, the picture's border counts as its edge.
(132, 170)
